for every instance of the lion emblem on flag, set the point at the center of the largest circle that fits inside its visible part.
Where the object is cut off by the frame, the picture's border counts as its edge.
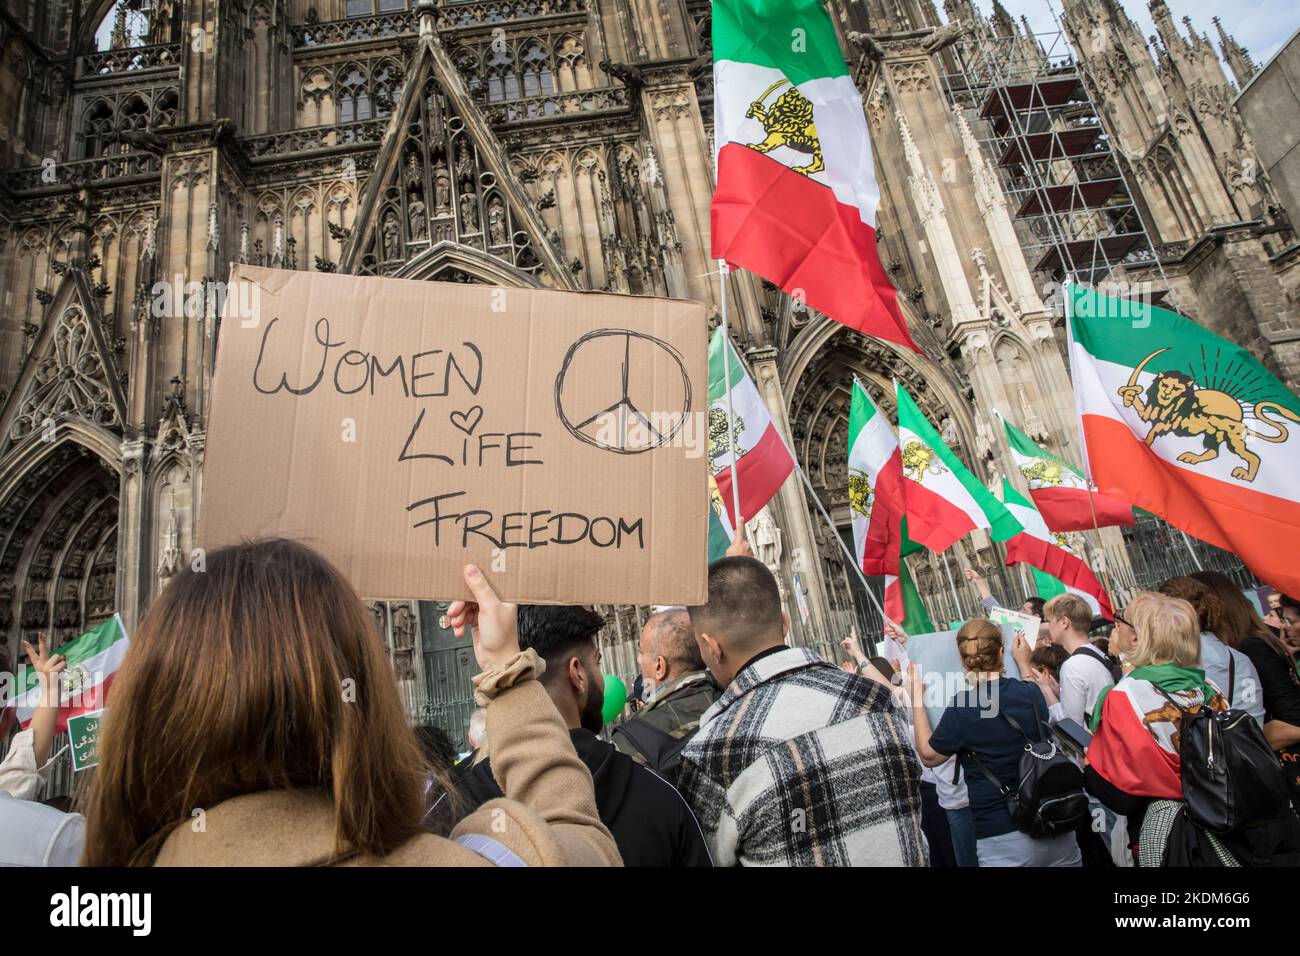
(918, 458)
(861, 494)
(1043, 474)
(718, 443)
(789, 122)
(1175, 403)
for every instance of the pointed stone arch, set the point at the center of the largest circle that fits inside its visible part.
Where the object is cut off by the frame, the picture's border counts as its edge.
(59, 510)
(441, 177)
(452, 257)
(70, 374)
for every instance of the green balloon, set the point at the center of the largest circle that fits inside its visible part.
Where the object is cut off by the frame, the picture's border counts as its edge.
(615, 697)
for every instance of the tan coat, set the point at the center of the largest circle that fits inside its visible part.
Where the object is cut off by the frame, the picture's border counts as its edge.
(547, 818)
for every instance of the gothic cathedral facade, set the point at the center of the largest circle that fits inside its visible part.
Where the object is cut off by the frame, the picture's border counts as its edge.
(149, 144)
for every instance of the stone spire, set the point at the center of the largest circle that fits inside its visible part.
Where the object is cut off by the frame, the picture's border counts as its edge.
(1173, 41)
(1236, 56)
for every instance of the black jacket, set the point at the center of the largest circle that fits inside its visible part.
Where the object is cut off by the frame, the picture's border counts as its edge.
(651, 823)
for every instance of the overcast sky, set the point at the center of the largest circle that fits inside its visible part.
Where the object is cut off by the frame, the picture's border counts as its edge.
(1261, 26)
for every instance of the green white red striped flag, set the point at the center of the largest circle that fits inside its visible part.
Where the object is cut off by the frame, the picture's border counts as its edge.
(92, 661)
(797, 194)
(944, 500)
(1051, 555)
(763, 460)
(876, 496)
(1059, 490)
(1189, 426)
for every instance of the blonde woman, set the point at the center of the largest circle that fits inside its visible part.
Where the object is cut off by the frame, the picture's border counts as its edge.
(1133, 757)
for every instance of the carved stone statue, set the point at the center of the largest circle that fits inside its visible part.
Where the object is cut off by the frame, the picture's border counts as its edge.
(469, 212)
(496, 215)
(419, 225)
(441, 189)
(403, 626)
(464, 167)
(412, 171)
(391, 230)
(983, 437)
(767, 540)
(169, 560)
(948, 432)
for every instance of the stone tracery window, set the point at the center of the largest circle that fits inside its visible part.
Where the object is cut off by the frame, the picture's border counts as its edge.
(353, 96)
(535, 66)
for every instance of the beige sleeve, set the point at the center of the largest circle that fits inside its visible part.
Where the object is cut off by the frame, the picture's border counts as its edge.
(548, 816)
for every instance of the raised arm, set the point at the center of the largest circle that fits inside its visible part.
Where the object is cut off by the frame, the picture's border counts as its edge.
(549, 812)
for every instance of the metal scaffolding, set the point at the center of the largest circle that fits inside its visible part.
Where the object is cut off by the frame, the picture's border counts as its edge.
(1033, 117)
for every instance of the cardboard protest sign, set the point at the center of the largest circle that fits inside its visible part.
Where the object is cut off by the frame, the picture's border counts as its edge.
(83, 739)
(403, 428)
(936, 658)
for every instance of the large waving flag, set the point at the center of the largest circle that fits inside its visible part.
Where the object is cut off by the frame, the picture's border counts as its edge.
(1060, 491)
(796, 196)
(93, 659)
(1051, 556)
(763, 460)
(1189, 426)
(944, 500)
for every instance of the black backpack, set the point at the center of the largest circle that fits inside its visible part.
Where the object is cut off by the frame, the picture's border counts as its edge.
(661, 750)
(1049, 798)
(1230, 775)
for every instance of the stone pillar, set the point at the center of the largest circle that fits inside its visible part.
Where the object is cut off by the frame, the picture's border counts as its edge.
(134, 581)
(795, 511)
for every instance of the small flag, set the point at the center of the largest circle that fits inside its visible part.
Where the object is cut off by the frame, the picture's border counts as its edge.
(1190, 427)
(1051, 555)
(875, 486)
(1059, 490)
(944, 500)
(92, 661)
(763, 461)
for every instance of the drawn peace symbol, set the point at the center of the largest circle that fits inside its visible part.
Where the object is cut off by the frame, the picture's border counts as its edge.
(606, 393)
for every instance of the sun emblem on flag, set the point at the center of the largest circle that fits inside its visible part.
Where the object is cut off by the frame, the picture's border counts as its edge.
(918, 458)
(718, 443)
(1176, 403)
(788, 123)
(1043, 473)
(861, 495)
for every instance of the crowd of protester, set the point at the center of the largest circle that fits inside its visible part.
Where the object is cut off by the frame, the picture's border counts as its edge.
(1064, 748)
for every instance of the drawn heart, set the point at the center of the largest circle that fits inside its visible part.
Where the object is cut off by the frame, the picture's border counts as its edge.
(467, 421)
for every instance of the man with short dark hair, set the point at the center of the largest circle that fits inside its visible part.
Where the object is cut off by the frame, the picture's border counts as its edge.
(1032, 605)
(650, 822)
(679, 690)
(797, 763)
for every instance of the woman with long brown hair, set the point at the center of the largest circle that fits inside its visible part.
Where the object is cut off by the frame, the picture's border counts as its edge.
(1228, 669)
(256, 721)
(1279, 682)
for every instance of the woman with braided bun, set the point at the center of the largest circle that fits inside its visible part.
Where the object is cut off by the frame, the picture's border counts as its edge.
(975, 727)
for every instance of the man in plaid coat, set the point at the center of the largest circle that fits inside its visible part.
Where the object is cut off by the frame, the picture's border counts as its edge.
(797, 763)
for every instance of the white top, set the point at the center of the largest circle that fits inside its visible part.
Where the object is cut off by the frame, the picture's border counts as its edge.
(952, 796)
(32, 834)
(1083, 678)
(1246, 694)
